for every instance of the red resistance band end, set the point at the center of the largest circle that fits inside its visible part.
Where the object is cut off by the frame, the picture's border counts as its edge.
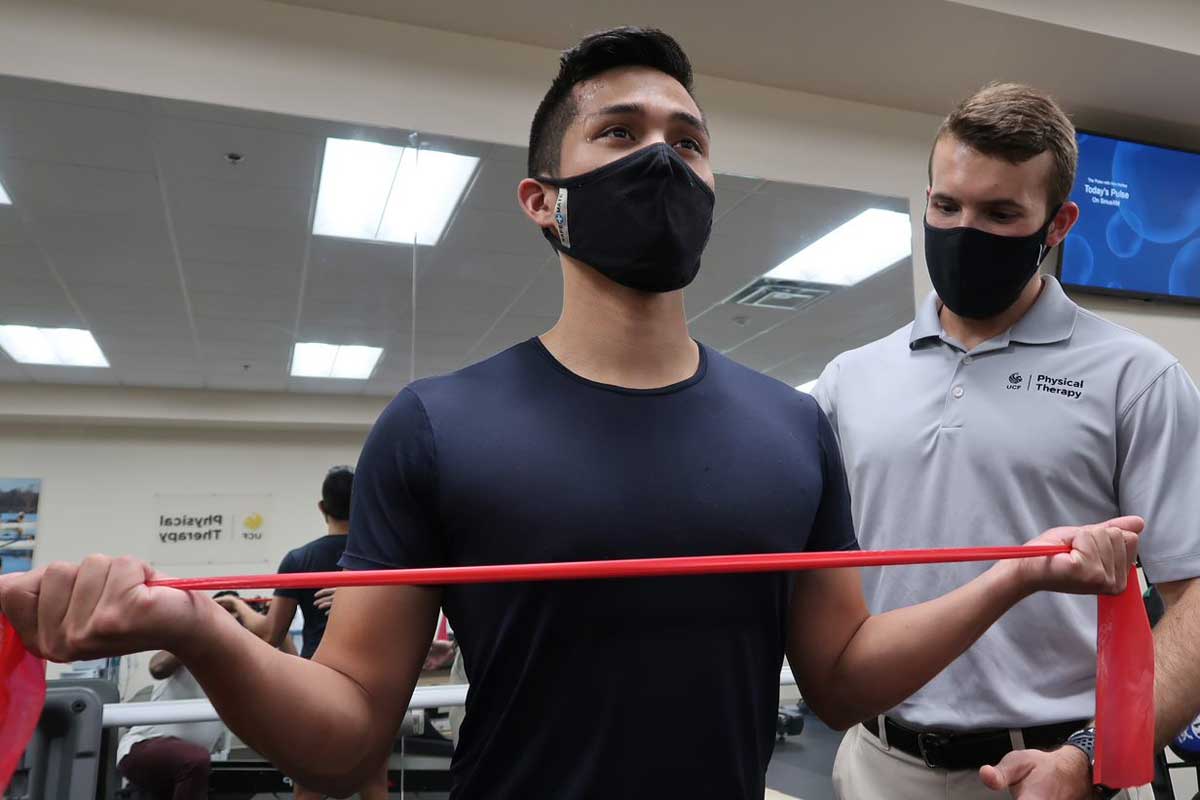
(1124, 691)
(22, 695)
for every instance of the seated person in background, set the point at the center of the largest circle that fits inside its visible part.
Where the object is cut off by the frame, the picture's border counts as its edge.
(170, 761)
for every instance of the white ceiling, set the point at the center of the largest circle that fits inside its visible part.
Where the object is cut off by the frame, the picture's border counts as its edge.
(921, 55)
(191, 272)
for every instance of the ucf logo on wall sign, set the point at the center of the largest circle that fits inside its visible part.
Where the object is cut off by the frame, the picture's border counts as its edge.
(1070, 388)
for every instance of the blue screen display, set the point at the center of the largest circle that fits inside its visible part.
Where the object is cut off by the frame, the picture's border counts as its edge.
(1139, 222)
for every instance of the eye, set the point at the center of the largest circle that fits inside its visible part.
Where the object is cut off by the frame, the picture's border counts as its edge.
(944, 207)
(691, 144)
(616, 132)
(1003, 216)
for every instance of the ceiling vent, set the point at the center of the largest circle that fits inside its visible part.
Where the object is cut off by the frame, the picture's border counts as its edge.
(781, 294)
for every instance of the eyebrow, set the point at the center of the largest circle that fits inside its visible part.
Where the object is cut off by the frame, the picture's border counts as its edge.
(998, 202)
(637, 108)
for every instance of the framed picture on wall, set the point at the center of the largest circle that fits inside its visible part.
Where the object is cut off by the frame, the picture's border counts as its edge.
(18, 522)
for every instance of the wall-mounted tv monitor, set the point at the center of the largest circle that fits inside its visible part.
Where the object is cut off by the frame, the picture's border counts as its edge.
(1138, 233)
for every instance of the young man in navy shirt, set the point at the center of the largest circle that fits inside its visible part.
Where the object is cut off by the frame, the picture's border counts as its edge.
(613, 435)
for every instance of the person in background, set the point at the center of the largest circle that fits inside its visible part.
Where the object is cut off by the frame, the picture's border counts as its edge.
(253, 616)
(319, 555)
(170, 762)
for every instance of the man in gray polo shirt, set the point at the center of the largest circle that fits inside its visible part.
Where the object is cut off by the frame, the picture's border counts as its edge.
(1005, 407)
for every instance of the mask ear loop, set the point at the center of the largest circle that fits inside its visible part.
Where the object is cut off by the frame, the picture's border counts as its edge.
(1043, 250)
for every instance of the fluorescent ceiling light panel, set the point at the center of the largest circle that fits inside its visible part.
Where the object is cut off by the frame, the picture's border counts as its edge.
(5, 200)
(852, 252)
(57, 347)
(384, 193)
(807, 386)
(350, 361)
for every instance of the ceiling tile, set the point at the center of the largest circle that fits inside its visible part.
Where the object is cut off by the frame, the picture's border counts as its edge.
(203, 201)
(12, 230)
(159, 377)
(232, 244)
(729, 324)
(46, 188)
(252, 280)
(497, 231)
(495, 187)
(485, 268)
(274, 306)
(67, 133)
(193, 148)
(47, 91)
(71, 375)
(222, 329)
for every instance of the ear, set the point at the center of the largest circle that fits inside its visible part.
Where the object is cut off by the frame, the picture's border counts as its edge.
(537, 201)
(1064, 220)
(321, 507)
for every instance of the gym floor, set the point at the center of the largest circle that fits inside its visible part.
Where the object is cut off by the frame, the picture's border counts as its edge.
(802, 765)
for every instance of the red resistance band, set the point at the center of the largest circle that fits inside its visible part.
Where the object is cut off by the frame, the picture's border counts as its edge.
(1125, 663)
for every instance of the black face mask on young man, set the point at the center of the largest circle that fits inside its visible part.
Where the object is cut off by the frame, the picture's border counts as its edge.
(978, 274)
(642, 220)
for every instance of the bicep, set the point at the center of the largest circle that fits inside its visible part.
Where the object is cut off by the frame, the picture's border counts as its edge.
(378, 637)
(828, 607)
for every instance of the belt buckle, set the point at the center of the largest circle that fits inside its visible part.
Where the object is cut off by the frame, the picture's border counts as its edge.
(930, 746)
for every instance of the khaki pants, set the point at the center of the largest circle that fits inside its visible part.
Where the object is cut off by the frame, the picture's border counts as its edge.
(866, 770)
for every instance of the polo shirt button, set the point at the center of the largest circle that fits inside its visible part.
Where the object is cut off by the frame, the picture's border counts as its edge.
(967, 360)
(958, 392)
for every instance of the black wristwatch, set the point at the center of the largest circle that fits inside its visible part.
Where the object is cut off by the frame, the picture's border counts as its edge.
(1085, 740)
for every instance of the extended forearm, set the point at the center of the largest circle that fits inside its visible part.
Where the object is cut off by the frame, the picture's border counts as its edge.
(308, 719)
(1176, 652)
(894, 654)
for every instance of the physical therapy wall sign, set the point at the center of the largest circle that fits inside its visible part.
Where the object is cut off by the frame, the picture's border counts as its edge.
(1124, 670)
(210, 529)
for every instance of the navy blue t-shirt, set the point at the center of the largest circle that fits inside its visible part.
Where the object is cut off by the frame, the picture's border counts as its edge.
(629, 688)
(319, 555)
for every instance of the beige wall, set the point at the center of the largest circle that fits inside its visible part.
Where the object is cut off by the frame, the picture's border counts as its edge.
(99, 483)
(1173, 24)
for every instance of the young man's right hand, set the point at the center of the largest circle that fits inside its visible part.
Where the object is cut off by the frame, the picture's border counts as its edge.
(99, 608)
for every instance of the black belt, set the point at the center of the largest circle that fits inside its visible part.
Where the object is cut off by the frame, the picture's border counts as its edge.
(945, 750)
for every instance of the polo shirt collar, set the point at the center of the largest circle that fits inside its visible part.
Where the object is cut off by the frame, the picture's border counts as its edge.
(1052, 319)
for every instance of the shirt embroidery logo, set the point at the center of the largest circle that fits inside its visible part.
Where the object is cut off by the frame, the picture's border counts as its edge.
(1070, 388)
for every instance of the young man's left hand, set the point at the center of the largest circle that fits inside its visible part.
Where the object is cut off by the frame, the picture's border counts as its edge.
(1098, 563)
(1061, 774)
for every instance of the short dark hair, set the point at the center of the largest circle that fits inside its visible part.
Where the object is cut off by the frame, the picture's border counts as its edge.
(1016, 122)
(335, 493)
(597, 53)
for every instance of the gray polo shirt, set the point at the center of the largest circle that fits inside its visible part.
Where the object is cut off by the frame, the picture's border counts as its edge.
(1064, 419)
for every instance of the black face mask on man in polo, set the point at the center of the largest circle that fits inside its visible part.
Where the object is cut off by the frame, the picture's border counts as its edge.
(977, 274)
(642, 221)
